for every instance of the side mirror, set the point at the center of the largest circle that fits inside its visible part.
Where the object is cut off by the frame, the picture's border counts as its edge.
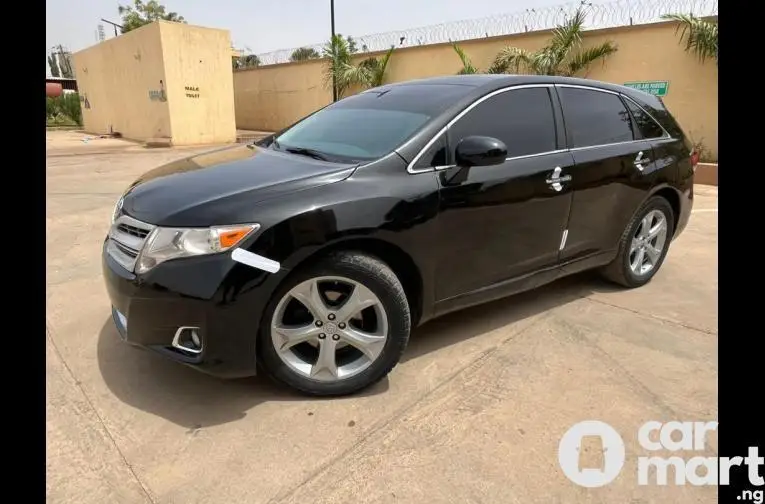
(480, 151)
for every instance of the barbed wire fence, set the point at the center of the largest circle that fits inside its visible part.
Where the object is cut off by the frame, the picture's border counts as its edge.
(599, 15)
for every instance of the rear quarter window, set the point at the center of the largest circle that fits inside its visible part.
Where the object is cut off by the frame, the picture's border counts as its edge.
(655, 106)
(645, 124)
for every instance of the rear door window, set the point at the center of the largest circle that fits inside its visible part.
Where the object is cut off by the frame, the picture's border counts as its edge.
(595, 118)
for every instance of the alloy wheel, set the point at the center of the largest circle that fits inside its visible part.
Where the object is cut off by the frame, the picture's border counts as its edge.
(329, 328)
(648, 243)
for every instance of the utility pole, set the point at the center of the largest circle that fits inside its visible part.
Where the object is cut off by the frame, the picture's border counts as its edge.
(334, 52)
(64, 61)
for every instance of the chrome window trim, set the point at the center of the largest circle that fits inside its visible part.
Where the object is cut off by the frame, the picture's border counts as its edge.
(514, 158)
(538, 154)
(410, 167)
(574, 149)
(608, 91)
(588, 88)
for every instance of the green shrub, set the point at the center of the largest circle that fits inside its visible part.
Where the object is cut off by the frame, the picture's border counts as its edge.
(64, 109)
(705, 155)
(69, 106)
(51, 108)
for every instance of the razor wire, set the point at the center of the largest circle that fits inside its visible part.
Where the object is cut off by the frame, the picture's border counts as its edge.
(599, 15)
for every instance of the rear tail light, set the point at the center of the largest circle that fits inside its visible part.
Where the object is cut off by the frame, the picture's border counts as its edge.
(694, 159)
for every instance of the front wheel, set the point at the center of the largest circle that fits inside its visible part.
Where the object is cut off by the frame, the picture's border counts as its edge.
(335, 327)
(643, 245)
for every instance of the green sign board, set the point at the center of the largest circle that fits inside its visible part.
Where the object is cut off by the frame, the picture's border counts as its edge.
(658, 88)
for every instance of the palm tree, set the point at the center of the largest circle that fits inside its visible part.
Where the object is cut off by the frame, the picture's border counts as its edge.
(304, 53)
(368, 73)
(700, 35)
(468, 67)
(339, 59)
(371, 71)
(563, 55)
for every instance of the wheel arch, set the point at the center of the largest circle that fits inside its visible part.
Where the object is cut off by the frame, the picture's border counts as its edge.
(402, 264)
(672, 196)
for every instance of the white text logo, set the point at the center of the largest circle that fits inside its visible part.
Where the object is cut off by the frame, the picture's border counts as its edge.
(653, 436)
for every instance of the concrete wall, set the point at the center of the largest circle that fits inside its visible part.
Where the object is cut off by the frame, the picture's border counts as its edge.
(114, 79)
(275, 96)
(200, 88)
(135, 84)
(272, 97)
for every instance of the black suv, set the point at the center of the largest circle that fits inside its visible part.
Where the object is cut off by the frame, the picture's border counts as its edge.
(314, 253)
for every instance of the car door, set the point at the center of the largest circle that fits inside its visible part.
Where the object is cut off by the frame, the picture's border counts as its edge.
(664, 148)
(613, 172)
(500, 223)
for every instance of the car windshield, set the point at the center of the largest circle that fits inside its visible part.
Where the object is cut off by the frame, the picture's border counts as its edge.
(371, 124)
(350, 133)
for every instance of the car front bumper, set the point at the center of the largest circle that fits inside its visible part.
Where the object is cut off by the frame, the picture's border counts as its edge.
(205, 293)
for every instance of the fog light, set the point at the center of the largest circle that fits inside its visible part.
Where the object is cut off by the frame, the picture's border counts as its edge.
(188, 340)
(195, 339)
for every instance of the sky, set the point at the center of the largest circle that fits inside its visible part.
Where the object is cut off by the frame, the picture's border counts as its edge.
(263, 26)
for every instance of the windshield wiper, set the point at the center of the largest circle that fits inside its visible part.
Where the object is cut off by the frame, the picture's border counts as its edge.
(302, 151)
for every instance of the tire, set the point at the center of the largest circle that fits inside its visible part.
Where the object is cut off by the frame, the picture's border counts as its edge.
(391, 314)
(620, 270)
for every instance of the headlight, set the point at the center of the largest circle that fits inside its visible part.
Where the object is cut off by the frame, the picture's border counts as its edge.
(164, 244)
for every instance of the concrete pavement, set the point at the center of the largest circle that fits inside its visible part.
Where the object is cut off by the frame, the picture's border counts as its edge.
(473, 413)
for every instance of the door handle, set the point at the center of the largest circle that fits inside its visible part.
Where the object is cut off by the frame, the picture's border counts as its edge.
(640, 161)
(556, 179)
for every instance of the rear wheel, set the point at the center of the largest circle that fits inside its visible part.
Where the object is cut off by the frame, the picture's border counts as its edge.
(335, 327)
(643, 245)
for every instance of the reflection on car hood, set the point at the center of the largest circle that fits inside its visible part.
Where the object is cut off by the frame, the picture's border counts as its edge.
(218, 187)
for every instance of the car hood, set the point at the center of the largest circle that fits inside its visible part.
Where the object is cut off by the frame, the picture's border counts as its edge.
(223, 186)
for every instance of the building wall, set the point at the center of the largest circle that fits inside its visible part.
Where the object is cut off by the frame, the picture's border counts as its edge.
(272, 97)
(200, 89)
(275, 96)
(135, 84)
(114, 79)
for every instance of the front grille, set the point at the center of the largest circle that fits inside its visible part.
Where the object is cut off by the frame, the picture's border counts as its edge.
(126, 240)
(133, 230)
(126, 250)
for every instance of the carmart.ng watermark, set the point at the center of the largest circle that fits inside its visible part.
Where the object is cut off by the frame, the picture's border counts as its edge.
(654, 436)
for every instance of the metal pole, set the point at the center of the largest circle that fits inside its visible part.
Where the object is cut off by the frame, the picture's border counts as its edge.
(115, 25)
(334, 52)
